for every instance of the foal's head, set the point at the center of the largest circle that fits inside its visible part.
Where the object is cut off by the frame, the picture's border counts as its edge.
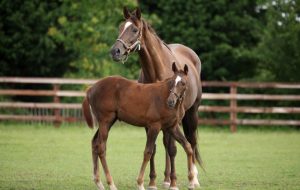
(130, 34)
(178, 86)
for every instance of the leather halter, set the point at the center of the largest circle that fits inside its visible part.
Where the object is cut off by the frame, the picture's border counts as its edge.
(180, 98)
(133, 47)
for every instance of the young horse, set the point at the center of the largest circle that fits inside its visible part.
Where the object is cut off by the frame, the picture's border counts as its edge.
(155, 57)
(157, 106)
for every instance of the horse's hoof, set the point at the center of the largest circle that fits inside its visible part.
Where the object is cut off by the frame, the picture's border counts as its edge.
(113, 187)
(173, 188)
(141, 187)
(166, 184)
(152, 188)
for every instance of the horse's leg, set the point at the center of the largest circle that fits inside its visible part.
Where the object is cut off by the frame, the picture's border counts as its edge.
(95, 161)
(177, 134)
(172, 150)
(103, 134)
(166, 140)
(190, 124)
(151, 138)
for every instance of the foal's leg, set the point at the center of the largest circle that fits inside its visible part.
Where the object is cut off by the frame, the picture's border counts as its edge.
(95, 161)
(151, 138)
(172, 150)
(177, 134)
(152, 175)
(102, 136)
(166, 140)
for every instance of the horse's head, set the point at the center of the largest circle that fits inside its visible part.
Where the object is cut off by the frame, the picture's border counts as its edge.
(178, 85)
(130, 34)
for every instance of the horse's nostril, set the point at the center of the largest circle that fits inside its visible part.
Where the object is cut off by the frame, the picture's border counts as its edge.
(115, 52)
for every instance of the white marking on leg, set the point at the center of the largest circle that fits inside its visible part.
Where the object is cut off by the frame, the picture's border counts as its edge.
(178, 78)
(166, 184)
(113, 187)
(152, 188)
(195, 179)
(127, 24)
(100, 185)
(141, 187)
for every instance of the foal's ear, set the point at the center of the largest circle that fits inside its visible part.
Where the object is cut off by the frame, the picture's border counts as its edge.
(138, 13)
(126, 13)
(174, 68)
(185, 69)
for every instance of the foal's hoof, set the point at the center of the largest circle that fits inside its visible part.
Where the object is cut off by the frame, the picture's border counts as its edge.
(173, 188)
(141, 187)
(166, 184)
(152, 188)
(100, 186)
(191, 186)
(113, 187)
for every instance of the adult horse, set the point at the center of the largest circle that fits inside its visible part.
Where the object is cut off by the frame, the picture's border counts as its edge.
(135, 34)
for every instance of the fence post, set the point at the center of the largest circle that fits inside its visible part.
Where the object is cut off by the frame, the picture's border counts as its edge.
(233, 106)
(56, 99)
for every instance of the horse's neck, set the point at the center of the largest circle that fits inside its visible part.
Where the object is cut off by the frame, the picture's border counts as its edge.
(152, 57)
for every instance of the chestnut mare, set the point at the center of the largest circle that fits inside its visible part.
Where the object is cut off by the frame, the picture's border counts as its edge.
(157, 106)
(155, 57)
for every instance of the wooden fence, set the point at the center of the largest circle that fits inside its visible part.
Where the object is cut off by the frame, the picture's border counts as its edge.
(231, 95)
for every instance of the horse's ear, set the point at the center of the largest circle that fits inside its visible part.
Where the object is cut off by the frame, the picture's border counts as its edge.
(138, 13)
(185, 69)
(126, 13)
(174, 68)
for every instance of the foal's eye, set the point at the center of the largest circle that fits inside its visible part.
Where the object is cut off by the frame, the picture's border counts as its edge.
(183, 83)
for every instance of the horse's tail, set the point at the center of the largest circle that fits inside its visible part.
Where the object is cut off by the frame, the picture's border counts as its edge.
(88, 113)
(191, 133)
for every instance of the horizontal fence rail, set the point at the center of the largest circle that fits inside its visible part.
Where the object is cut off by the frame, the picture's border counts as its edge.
(57, 108)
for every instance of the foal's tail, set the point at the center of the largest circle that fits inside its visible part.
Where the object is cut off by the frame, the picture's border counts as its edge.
(88, 113)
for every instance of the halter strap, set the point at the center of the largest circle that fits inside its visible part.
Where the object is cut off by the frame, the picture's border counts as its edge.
(177, 96)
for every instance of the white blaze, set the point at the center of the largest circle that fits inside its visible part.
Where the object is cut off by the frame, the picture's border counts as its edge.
(127, 24)
(178, 78)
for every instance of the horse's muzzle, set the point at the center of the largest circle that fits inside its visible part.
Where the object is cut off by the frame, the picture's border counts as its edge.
(171, 103)
(115, 54)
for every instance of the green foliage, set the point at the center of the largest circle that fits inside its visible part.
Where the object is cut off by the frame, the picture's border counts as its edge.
(223, 33)
(90, 27)
(239, 40)
(25, 49)
(279, 49)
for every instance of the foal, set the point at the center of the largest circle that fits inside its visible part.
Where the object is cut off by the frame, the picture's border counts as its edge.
(157, 106)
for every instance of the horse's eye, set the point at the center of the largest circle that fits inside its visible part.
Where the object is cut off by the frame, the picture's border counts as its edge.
(134, 30)
(183, 83)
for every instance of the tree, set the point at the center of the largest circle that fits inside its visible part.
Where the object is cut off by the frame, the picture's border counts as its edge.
(279, 49)
(91, 27)
(223, 33)
(25, 47)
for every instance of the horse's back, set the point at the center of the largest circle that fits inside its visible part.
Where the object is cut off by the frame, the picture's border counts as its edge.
(186, 55)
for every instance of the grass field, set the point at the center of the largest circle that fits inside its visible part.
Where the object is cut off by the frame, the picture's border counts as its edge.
(44, 157)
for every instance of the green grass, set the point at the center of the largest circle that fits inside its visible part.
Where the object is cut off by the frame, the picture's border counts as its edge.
(44, 157)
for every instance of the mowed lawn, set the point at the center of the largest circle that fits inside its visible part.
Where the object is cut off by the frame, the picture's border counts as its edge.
(44, 157)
